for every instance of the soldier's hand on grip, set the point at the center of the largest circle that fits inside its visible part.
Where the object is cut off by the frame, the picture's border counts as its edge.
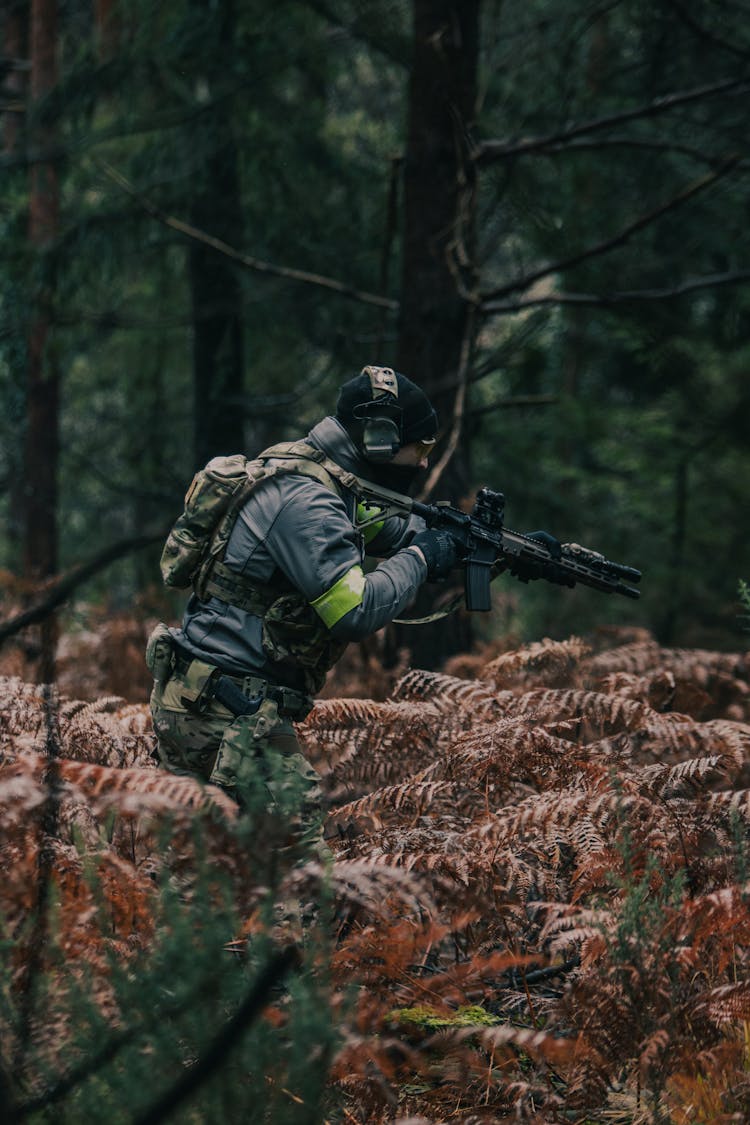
(438, 550)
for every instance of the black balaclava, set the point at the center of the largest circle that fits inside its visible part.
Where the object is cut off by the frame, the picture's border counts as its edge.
(418, 420)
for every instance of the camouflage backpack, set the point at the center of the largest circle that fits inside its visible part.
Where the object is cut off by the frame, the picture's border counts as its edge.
(215, 491)
(193, 554)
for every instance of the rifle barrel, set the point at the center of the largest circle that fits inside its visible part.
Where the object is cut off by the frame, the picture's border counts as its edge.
(629, 573)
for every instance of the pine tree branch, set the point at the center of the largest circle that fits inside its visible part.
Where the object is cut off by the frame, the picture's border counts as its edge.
(75, 146)
(371, 32)
(703, 33)
(60, 589)
(619, 239)
(489, 151)
(246, 260)
(511, 401)
(92, 1064)
(8, 62)
(653, 144)
(602, 300)
(228, 1037)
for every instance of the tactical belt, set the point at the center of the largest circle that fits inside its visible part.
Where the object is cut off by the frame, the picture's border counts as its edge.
(243, 695)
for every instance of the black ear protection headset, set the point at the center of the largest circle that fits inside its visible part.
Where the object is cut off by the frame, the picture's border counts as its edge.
(382, 416)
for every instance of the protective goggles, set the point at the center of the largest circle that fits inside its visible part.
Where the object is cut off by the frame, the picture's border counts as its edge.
(425, 446)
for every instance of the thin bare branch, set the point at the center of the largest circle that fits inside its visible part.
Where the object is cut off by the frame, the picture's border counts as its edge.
(489, 151)
(704, 34)
(649, 144)
(618, 239)
(246, 260)
(459, 408)
(60, 589)
(710, 281)
(509, 401)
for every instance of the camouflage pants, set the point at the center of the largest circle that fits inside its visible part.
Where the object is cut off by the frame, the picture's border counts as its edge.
(255, 758)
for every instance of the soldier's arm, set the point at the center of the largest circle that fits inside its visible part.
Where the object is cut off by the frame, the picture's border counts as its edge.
(312, 540)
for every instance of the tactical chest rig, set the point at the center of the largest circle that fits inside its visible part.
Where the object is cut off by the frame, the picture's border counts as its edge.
(194, 553)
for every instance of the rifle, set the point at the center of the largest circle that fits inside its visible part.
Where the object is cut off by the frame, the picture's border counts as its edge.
(486, 547)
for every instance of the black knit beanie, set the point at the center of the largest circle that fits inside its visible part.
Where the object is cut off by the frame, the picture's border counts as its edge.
(419, 422)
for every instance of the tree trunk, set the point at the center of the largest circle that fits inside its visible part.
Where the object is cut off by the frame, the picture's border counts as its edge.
(218, 367)
(15, 32)
(435, 324)
(107, 28)
(14, 79)
(41, 441)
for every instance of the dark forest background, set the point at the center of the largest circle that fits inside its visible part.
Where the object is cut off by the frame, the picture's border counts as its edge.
(213, 213)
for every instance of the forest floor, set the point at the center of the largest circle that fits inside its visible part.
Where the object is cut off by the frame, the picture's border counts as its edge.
(540, 883)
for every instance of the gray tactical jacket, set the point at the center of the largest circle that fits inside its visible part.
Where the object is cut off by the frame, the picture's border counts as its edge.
(296, 525)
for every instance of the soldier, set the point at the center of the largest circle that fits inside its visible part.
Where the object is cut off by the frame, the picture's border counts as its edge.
(274, 609)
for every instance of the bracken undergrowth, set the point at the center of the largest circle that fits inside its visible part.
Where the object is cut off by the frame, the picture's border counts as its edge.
(539, 899)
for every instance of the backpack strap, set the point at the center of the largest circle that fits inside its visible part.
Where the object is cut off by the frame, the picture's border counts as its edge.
(218, 580)
(302, 451)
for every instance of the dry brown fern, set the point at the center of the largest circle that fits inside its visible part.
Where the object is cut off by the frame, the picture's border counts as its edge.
(706, 685)
(102, 731)
(547, 661)
(635, 658)
(358, 745)
(544, 847)
(451, 695)
(728, 1003)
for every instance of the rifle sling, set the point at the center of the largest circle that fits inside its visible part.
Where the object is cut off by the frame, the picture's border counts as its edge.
(439, 614)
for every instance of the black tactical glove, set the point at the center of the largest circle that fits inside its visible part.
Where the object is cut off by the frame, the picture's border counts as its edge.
(439, 550)
(554, 546)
